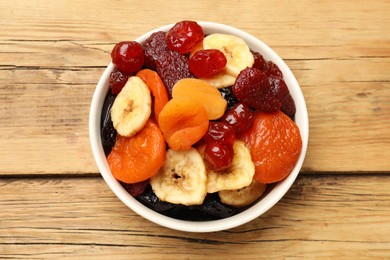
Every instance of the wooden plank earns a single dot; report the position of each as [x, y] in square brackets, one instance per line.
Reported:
[321, 217]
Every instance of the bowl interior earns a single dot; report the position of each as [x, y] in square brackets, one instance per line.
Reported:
[267, 201]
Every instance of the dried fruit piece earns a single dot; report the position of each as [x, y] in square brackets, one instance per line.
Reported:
[135, 189]
[117, 81]
[137, 158]
[184, 36]
[132, 107]
[183, 122]
[203, 93]
[172, 67]
[268, 67]
[244, 196]
[128, 56]
[275, 144]
[280, 89]
[182, 179]
[252, 87]
[237, 176]
[240, 117]
[227, 94]
[156, 87]
[153, 47]
[218, 156]
[206, 63]
[220, 132]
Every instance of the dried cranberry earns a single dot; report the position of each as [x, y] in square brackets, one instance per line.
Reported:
[221, 132]
[280, 89]
[252, 87]
[184, 36]
[153, 47]
[135, 189]
[171, 67]
[206, 63]
[218, 156]
[227, 94]
[128, 56]
[240, 117]
[117, 81]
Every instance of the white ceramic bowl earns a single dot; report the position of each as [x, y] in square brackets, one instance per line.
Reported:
[269, 200]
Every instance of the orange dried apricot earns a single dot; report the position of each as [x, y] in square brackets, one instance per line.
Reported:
[275, 144]
[137, 158]
[202, 92]
[183, 122]
[156, 86]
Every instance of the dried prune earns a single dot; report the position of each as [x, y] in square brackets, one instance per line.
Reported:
[227, 94]
[149, 199]
[108, 132]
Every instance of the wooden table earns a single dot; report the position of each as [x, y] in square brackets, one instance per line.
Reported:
[55, 204]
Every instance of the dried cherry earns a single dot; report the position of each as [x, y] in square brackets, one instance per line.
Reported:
[218, 156]
[220, 132]
[240, 117]
[184, 36]
[128, 56]
[206, 63]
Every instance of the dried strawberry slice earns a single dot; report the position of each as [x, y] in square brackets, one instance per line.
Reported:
[280, 89]
[268, 67]
[171, 67]
[252, 87]
[153, 48]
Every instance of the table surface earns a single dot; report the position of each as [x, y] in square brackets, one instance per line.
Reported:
[54, 203]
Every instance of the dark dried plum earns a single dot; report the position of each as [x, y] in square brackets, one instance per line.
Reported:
[149, 199]
[108, 132]
[228, 95]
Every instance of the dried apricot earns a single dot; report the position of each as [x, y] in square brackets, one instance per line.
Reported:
[203, 93]
[156, 86]
[137, 158]
[183, 122]
[275, 143]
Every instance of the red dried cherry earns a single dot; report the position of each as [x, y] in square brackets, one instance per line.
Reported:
[135, 189]
[184, 36]
[128, 56]
[206, 63]
[117, 81]
[240, 117]
[220, 132]
[218, 156]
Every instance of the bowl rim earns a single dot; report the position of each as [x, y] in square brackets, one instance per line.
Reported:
[257, 209]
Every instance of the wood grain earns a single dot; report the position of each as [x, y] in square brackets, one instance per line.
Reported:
[52, 55]
[320, 218]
